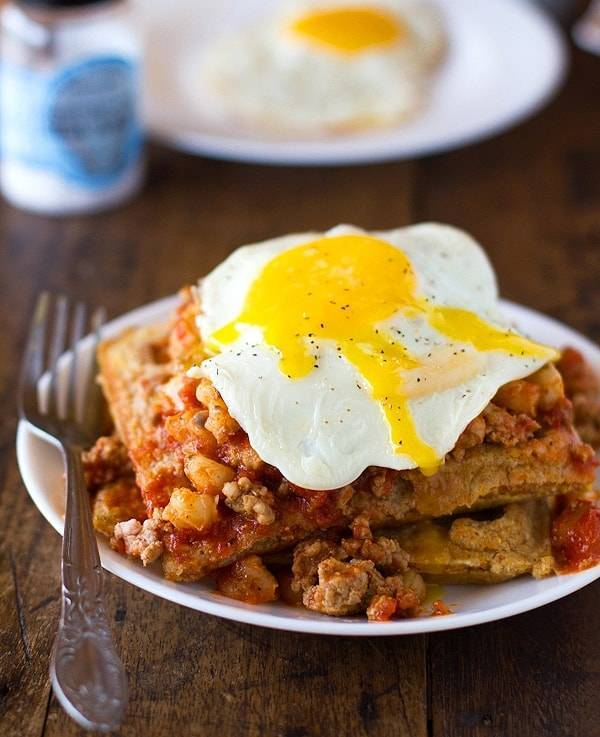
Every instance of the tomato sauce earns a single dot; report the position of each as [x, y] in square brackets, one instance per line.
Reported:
[223, 538]
[187, 394]
[319, 506]
[383, 609]
[440, 609]
[575, 535]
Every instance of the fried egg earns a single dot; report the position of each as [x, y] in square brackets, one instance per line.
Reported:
[341, 350]
[314, 66]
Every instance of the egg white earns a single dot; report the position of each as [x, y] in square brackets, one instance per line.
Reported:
[323, 430]
[264, 77]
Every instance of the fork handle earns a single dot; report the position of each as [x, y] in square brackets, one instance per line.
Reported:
[88, 677]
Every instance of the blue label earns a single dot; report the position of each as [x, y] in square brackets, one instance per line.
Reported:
[80, 124]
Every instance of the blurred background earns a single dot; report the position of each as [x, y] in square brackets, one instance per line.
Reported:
[85, 83]
[199, 126]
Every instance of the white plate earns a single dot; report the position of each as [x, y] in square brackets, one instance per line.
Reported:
[42, 472]
[506, 60]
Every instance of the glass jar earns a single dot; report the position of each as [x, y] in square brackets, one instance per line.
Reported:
[70, 134]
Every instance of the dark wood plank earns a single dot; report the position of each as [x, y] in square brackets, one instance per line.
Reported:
[221, 678]
[530, 196]
[536, 674]
[27, 625]
[28, 547]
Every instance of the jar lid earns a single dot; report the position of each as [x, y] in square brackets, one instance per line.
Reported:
[59, 4]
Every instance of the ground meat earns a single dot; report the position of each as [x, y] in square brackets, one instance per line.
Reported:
[387, 554]
[521, 397]
[412, 579]
[343, 588]
[106, 462]
[582, 386]
[409, 591]
[518, 411]
[381, 482]
[249, 499]
[505, 428]
[348, 576]
[238, 453]
[381, 608]
[502, 423]
[219, 422]
[357, 586]
[139, 540]
[472, 435]
[360, 528]
[307, 556]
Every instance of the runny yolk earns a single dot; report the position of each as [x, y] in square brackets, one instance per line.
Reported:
[339, 290]
[349, 29]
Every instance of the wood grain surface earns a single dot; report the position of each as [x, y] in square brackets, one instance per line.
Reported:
[531, 196]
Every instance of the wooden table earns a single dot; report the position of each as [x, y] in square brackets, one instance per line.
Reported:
[531, 196]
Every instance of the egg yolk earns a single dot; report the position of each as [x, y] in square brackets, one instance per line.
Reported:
[341, 289]
[349, 29]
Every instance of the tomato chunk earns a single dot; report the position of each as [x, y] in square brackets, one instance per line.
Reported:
[439, 608]
[382, 608]
[576, 535]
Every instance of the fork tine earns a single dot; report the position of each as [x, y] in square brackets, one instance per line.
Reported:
[77, 331]
[33, 359]
[93, 402]
[57, 348]
[98, 320]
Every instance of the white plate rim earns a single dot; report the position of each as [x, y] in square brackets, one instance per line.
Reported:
[381, 147]
[134, 573]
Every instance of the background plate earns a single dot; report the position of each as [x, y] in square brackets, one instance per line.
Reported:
[42, 471]
[506, 60]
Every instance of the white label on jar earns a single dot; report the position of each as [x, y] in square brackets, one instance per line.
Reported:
[80, 123]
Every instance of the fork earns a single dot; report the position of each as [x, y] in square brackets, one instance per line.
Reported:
[87, 675]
